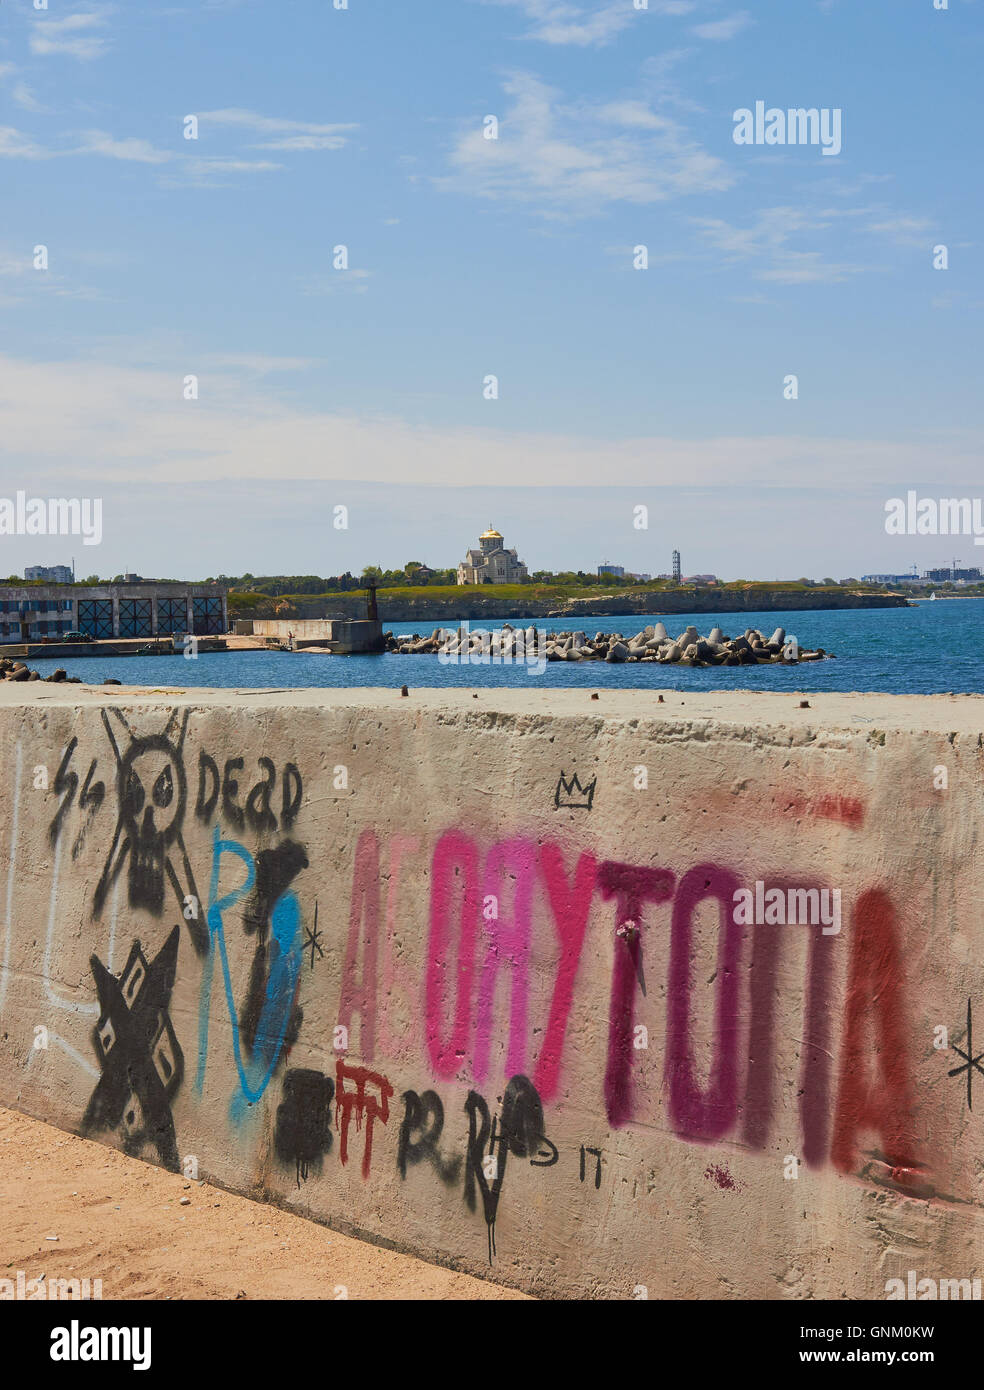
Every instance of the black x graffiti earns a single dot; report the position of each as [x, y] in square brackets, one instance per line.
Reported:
[141, 1060]
[971, 1063]
[314, 937]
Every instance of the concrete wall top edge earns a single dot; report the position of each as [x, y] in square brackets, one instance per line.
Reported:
[854, 712]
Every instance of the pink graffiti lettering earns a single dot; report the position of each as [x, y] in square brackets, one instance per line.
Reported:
[570, 907]
[507, 935]
[359, 992]
[454, 884]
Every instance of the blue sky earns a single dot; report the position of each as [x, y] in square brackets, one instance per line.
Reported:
[363, 128]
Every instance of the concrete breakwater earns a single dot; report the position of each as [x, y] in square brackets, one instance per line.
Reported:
[511, 979]
[651, 644]
[114, 647]
[18, 671]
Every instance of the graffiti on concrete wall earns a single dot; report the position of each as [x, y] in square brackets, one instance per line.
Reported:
[142, 1063]
[481, 1021]
[148, 838]
[303, 1134]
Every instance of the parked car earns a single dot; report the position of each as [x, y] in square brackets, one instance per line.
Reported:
[75, 637]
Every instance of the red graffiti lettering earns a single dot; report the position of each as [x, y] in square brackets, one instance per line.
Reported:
[630, 885]
[366, 1107]
[874, 997]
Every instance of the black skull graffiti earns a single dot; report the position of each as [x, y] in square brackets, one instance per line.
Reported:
[151, 792]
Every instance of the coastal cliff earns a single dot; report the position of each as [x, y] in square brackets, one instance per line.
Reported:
[444, 605]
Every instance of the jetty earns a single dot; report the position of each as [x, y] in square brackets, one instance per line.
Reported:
[652, 644]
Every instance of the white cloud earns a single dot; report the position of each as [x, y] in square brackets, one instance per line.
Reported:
[560, 22]
[23, 95]
[130, 148]
[722, 29]
[809, 268]
[98, 421]
[259, 363]
[183, 168]
[767, 238]
[771, 229]
[70, 36]
[13, 263]
[285, 134]
[636, 114]
[336, 282]
[903, 230]
[303, 142]
[210, 171]
[83, 49]
[576, 158]
[14, 145]
[18, 266]
[569, 24]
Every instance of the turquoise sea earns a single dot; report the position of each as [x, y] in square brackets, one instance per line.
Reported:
[931, 647]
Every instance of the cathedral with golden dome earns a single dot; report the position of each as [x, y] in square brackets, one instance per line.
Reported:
[492, 563]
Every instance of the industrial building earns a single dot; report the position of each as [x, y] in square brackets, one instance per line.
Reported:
[147, 609]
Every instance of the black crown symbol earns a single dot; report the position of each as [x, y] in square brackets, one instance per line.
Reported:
[567, 791]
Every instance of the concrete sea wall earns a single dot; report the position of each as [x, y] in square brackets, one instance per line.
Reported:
[307, 628]
[511, 981]
[341, 635]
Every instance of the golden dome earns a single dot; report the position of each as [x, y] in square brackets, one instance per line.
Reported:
[491, 534]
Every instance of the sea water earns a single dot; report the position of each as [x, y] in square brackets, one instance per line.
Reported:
[928, 648]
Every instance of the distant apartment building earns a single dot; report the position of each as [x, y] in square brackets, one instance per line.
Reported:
[491, 563]
[50, 574]
[112, 610]
[948, 574]
[885, 578]
[620, 572]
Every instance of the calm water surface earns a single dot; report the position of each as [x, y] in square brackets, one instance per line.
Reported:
[933, 647]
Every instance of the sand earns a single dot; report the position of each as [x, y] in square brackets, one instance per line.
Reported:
[122, 1221]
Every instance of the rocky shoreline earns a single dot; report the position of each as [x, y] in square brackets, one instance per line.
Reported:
[652, 644]
[17, 671]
